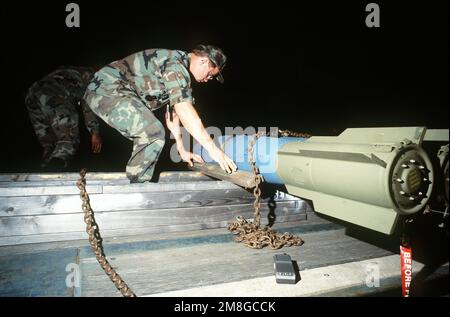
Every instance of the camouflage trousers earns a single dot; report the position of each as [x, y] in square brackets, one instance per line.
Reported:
[55, 122]
[129, 115]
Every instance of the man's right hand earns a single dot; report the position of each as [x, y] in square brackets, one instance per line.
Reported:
[224, 161]
[191, 121]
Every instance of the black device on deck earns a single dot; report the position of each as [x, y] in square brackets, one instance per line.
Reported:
[285, 272]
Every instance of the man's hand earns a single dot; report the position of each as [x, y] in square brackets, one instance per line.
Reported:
[174, 124]
[96, 143]
[224, 161]
[188, 116]
[188, 157]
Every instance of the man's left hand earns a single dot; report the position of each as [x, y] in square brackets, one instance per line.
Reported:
[188, 157]
[96, 143]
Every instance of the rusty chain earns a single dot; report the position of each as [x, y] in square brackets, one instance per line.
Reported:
[95, 240]
[250, 233]
[286, 133]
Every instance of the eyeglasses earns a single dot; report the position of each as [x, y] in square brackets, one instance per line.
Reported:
[210, 74]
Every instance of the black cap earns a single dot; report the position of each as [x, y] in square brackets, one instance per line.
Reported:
[216, 56]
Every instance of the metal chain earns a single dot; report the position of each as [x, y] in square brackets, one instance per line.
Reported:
[286, 133]
[250, 233]
[95, 240]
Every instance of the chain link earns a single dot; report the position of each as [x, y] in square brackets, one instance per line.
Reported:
[95, 240]
[250, 233]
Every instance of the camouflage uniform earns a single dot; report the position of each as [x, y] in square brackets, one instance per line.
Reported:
[51, 104]
[125, 92]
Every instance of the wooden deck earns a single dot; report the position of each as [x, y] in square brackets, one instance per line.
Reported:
[168, 239]
[158, 263]
[47, 207]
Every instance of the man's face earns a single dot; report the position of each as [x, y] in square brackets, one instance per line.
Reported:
[204, 70]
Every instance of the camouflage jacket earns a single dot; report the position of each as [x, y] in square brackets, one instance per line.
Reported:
[69, 84]
[159, 77]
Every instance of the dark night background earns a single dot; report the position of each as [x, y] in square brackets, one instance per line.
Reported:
[306, 67]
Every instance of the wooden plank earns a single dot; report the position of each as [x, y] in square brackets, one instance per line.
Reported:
[118, 238]
[165, 187]
[36, 274]
[24, 225]
[183, 176]
[340, 280]
[41, 205]
[127, 188]
[134, 219]
[49, 264]
[32, 177]
[47, 190]
[128, 232]
[62, 183]
[214, 263]
[168, 176]
[241, 178]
